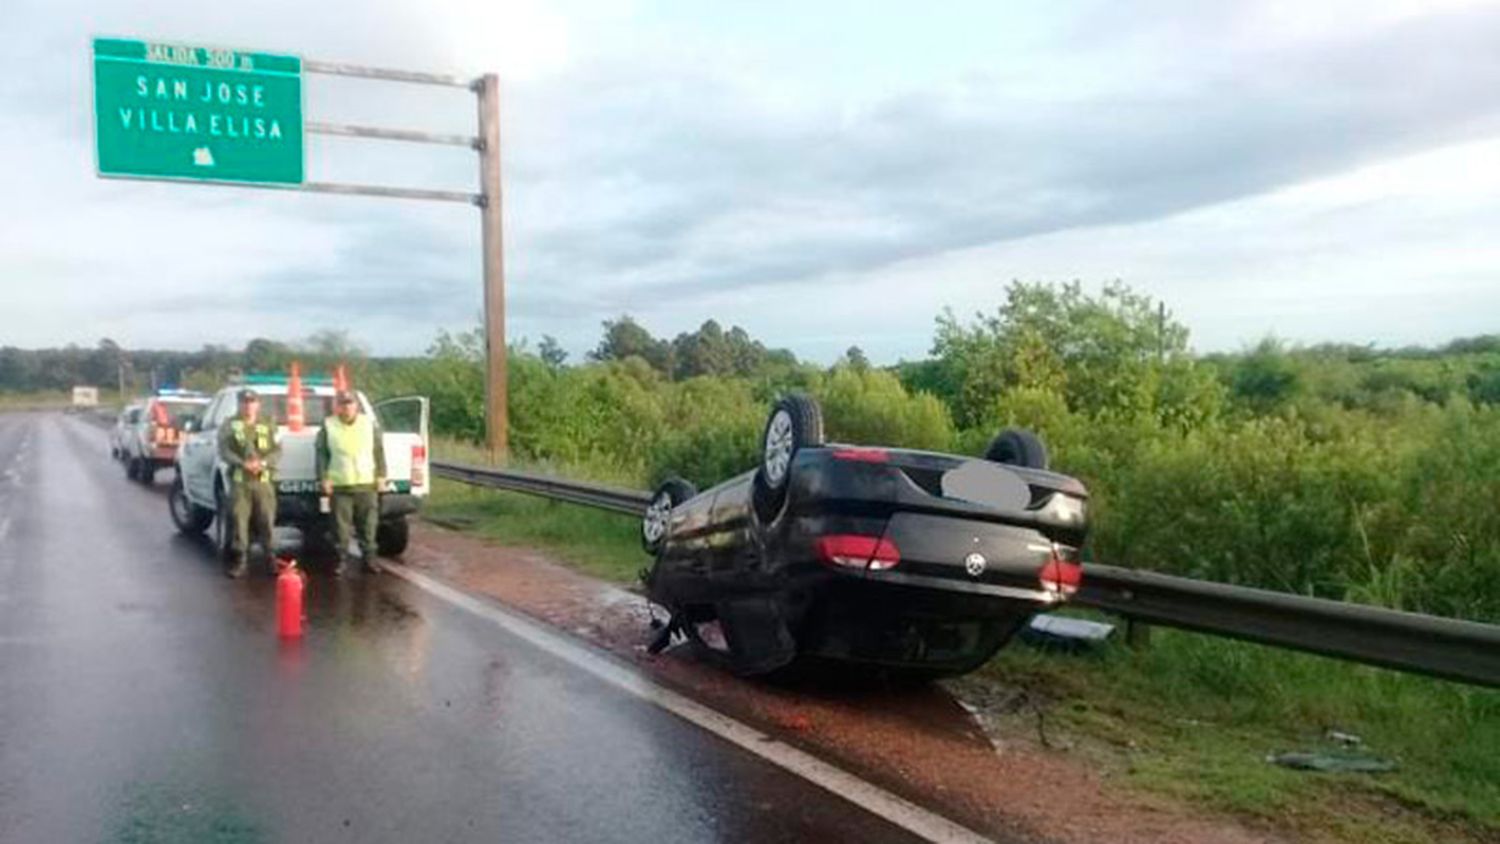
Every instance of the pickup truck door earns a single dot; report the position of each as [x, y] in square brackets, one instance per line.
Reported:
[407, 415]
[197, 456]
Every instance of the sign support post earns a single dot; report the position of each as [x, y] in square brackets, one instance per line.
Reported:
[497, 425]
[223, 117]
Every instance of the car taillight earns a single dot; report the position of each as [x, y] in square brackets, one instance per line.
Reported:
[852, 551]
[419, 465]
[862, 455]
[1060, 576]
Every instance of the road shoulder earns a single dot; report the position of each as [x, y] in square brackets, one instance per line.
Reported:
[923, 744]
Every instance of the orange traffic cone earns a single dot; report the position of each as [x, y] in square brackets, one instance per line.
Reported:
[296, 417]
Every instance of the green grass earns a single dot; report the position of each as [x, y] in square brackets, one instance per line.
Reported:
[605, 545]
[1195, 717]
[1191, 717]
[602, 544]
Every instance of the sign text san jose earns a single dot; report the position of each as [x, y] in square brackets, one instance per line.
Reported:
[197, 113]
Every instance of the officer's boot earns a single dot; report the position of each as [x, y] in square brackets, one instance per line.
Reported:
[238, 568]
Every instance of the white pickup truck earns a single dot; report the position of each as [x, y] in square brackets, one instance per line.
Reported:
[199, 491]
[151, 434]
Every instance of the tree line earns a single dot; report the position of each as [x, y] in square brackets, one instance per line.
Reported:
[1337, 470]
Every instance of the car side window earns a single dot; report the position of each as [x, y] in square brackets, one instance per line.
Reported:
[211, 420]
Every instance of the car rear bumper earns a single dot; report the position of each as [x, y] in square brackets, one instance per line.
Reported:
[300, 508]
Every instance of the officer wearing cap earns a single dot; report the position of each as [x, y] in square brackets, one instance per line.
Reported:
[351, 468]
[248, 446]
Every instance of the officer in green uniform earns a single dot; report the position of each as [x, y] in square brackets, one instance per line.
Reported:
[247, 444]
[351, 467]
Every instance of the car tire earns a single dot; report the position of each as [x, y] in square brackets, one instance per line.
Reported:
[190, 519]
[391, 537]
[317, 540]
[672, 492]
[795, 423]
[1018, 447]
[223, 539]
[129, 469]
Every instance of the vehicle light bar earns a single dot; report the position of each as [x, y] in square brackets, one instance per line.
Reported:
[862, 455]
[847, 550]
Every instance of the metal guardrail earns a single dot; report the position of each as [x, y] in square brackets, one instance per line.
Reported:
[1466, 651]
[629, 502]
[1424, 644]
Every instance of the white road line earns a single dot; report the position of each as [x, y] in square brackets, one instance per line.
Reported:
[868, 796]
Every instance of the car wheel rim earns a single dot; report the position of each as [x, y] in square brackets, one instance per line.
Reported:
[779, 443]
[655, 526]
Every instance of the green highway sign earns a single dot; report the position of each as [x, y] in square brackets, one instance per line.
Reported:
[173, 111]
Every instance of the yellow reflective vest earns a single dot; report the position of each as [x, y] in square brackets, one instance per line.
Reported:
[239, 442]
[351, 451]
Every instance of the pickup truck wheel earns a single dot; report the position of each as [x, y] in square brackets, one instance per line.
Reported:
[673, 491]
[795, 423]
[223, 538]
[190, 519]
[1017, 447]
[391, 537]
[129, 468]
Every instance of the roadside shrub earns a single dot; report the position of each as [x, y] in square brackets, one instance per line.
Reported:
[871, 406]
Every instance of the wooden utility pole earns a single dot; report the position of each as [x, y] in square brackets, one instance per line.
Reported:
[497, 424]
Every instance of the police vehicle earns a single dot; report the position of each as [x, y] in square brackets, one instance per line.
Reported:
[151, 432]
[199, 497]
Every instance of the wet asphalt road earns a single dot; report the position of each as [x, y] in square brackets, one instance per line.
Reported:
[144, 697]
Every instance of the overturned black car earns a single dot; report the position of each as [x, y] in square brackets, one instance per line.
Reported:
[917, 563]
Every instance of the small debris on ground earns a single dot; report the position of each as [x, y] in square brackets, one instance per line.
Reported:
[1344, 739]
[1338, 763]
[1059, 631]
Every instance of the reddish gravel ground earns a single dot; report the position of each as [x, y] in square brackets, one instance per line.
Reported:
[923, 744]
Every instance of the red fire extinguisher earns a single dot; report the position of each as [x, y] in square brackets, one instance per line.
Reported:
[289, 600]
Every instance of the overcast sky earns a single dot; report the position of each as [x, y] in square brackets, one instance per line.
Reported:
[823, 174]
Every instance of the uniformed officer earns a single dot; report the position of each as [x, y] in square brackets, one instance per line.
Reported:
[351, 467]
[247, 444]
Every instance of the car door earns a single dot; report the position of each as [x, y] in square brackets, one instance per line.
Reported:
[407, 418]
[198, 453]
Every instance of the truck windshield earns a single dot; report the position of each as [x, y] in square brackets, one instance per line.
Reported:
[314, 408]
[176, 410]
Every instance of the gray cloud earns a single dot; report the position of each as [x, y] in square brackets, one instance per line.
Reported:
[921, 174]
[655, 177]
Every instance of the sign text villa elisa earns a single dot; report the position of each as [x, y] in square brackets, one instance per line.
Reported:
[182, 112]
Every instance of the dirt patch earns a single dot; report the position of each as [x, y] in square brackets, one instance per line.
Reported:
[958, 748]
